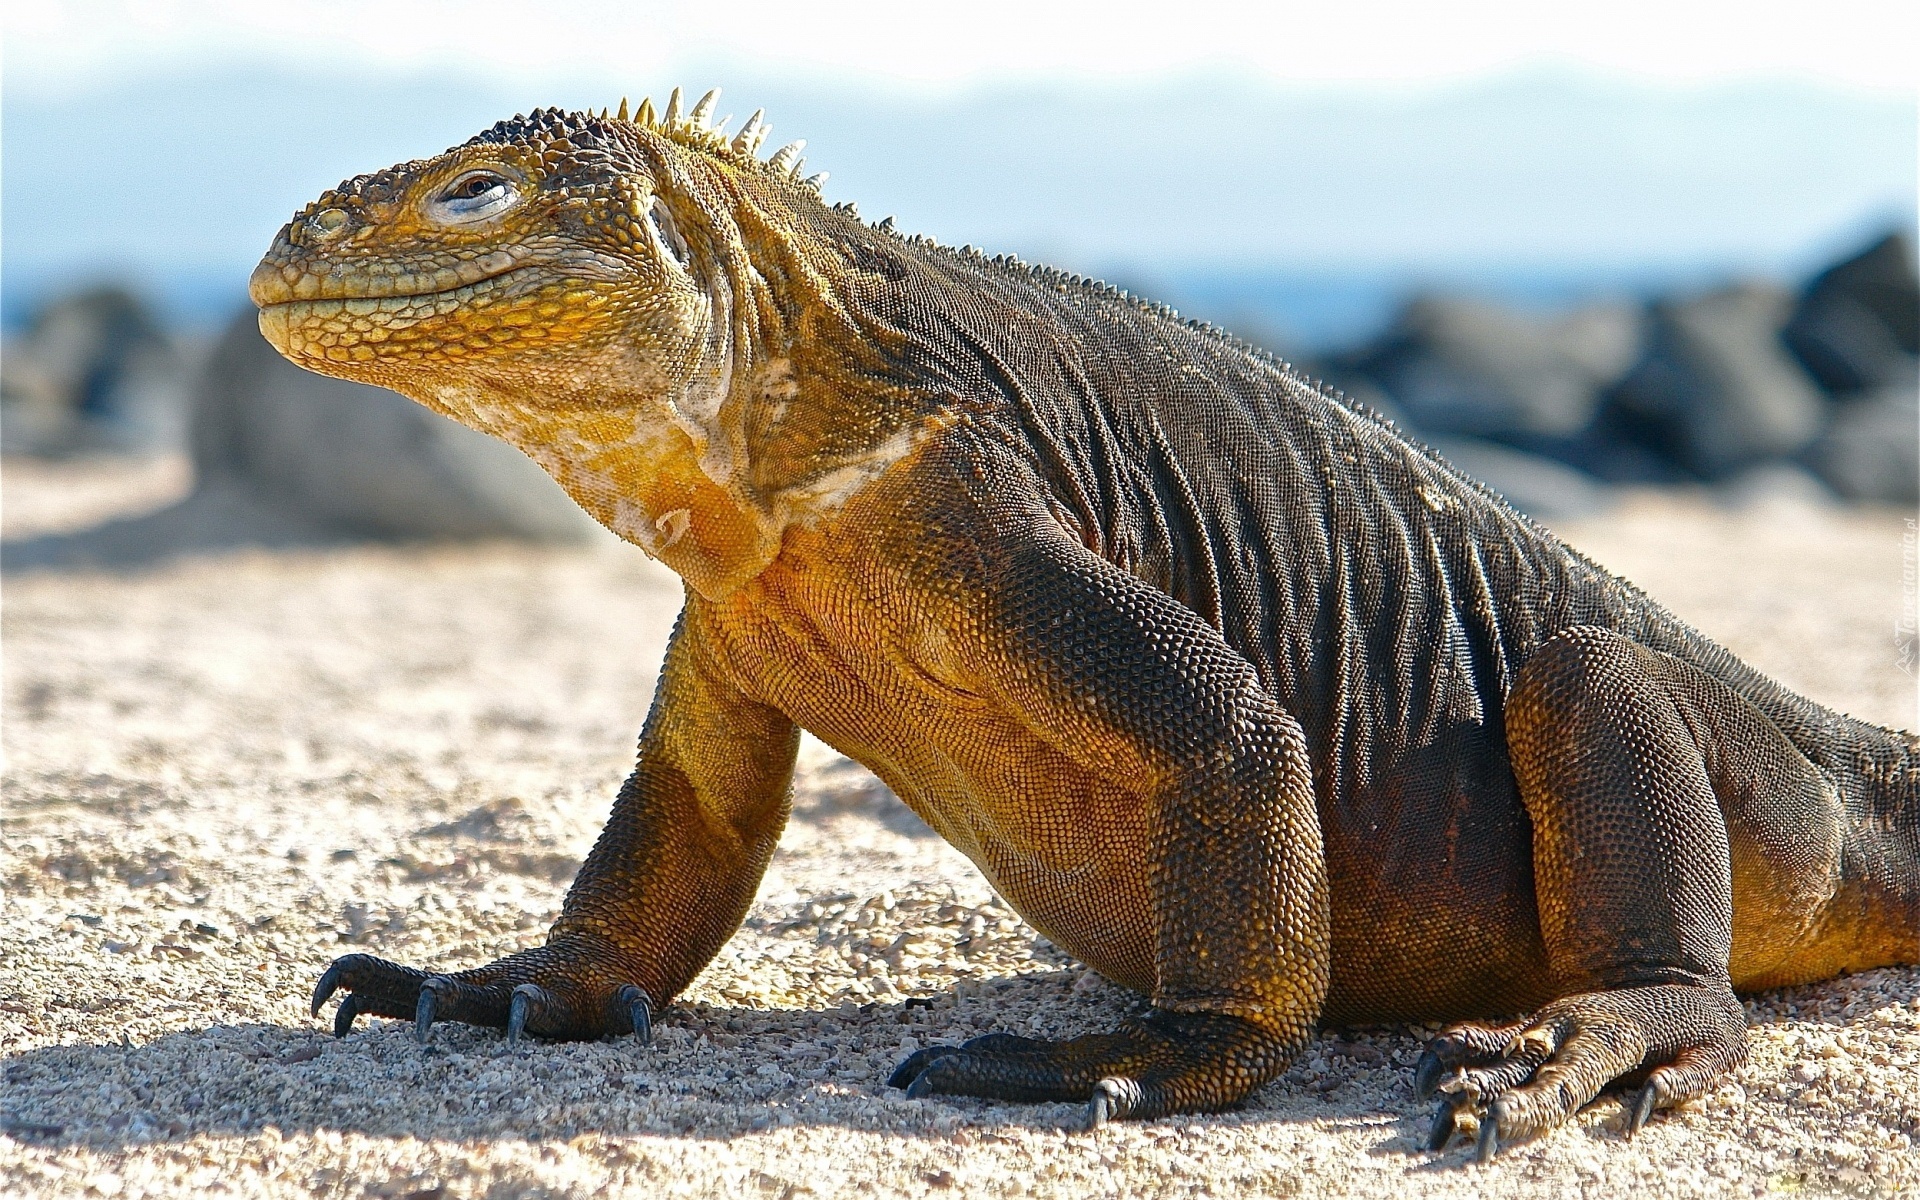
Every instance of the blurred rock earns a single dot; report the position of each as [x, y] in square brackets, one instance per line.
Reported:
[363, 460]
[1717, 390]
[92, 372]
[285, 458]
[1857, 327]
[1870, 450]
[1774, 485]
[1461, 366]
[1540, 487]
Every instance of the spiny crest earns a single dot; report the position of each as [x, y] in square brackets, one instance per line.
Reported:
[696, 129]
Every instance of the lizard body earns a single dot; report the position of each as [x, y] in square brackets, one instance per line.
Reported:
[1238, 695]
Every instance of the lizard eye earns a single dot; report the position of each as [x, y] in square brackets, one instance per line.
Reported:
[476, 196]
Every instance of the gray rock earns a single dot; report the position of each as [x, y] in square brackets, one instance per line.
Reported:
[1871, 449]
[93, 371]
[1717, 390]
[1774, 484]
[363, 460]
[1857, 327]
[1540, 487]
[1461, 366]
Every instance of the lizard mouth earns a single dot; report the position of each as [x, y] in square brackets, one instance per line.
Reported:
[273, 285]
[353, 327]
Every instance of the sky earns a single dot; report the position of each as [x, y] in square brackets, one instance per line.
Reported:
[1858, 43]
[166, 140]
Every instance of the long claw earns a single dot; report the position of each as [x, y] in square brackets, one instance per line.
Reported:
[639, 1012]
[343, 1017]
[1099, 1108]
[1113, 1098]
[1489, 1143]
[517, 1011]
[423, 1010]
[1445, 1118]
[1643, 1105]
[1426, 1075]
[328, 985]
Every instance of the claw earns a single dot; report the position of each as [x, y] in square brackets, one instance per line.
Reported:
[343, 1018]
[1113, 1098]
[639, 1007]
[1445, 1119]
[328, 985]
[1489, 1143]
[423, 1010]
[518, 1010]
[1426, 1075]
[1643, 1105]
[1099, 1108]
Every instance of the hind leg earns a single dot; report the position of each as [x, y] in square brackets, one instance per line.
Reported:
[1634, 766]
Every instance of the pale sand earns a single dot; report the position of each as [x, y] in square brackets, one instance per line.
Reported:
[224, 772]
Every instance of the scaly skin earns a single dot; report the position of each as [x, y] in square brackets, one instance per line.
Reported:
[1240, 697]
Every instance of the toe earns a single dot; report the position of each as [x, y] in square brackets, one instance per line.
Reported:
[914, 1064]
[379, 987]
[1446, 1116]
[1460, 1046]
[633, 999]
[530, 1003]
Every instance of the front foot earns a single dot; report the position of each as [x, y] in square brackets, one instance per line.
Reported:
[571, 990]
[1528, 1077]
[1165, 1063]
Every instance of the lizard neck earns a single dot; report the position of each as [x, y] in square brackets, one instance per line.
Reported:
[706, 468]
[657, 458]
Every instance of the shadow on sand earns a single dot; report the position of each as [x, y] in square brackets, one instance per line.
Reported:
[713, 1073]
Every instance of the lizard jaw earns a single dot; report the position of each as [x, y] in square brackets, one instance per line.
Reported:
[277, 282]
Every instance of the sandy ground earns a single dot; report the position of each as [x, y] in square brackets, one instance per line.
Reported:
[223, 772]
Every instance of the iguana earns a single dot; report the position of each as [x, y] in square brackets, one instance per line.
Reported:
[1237, 694]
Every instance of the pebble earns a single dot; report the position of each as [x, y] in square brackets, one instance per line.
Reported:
[180, 690]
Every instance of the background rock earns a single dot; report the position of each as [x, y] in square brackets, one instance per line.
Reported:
[93, 371]
[1870, 450]
[1857, 328]
[1717, 390]
[1749, 387]
[1463, 366]
[362, 459]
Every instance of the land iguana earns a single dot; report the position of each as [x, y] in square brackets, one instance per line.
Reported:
[1237, 694]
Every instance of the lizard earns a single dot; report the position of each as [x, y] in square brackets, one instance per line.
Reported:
[1234, 691]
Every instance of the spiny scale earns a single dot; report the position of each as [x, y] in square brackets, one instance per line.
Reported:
[703, 111]
[697, 130]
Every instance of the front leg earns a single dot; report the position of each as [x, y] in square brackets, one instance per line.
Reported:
[666, 885]
[1130, 683]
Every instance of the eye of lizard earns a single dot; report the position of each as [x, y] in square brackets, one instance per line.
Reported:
[476, 196]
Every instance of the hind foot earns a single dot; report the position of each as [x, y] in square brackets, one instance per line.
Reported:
[1525, 1078]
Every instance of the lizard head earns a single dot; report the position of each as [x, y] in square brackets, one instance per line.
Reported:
[510, 259]
[596, 290]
